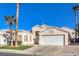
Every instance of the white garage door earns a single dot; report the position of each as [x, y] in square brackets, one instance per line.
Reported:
[51, 40]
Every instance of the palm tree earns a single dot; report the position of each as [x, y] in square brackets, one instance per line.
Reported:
[75, 8]
[16, 32]
[10, 20]
[77, 30]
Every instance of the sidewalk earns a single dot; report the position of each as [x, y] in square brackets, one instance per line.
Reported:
[12, 51]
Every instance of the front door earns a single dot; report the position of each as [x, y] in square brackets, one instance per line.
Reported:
[37, 37]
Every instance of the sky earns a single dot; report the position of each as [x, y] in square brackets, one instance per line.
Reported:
[31, 14]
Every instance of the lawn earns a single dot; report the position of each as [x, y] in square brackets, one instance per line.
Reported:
[16, 48]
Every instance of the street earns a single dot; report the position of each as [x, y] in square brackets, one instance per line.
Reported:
[12, 54]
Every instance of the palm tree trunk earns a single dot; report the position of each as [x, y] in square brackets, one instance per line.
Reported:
[11, 41]
[16, 32]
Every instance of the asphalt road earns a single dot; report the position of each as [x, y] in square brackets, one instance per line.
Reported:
[12, 54]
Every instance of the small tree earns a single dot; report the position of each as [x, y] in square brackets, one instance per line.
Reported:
[7, 36]
[10, 20]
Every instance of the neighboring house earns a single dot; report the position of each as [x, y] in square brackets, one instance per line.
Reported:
[71, 31]
[3, 40]
[49, 35]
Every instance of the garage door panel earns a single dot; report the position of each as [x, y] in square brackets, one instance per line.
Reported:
[52, 40]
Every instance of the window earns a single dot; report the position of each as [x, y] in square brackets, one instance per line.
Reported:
[30, 38]
[19, 37]
[73, 33]
[5, 40]
[25, 38]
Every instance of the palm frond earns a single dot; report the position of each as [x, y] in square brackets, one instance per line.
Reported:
[6, 19]
[76, 8]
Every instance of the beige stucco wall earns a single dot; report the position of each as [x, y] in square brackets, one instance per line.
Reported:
[29, 38]
[34, 29]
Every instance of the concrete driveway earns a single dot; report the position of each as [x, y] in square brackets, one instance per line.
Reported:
[47, 50]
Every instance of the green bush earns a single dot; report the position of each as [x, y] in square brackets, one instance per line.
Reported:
[19, 42]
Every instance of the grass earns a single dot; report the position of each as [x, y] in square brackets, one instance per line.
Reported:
[16, 48]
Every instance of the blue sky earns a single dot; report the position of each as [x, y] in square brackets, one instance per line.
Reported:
[37, 13]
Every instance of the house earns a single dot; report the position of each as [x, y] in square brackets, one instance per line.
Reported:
[50, 35]
[24, 37]
[40, 34]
